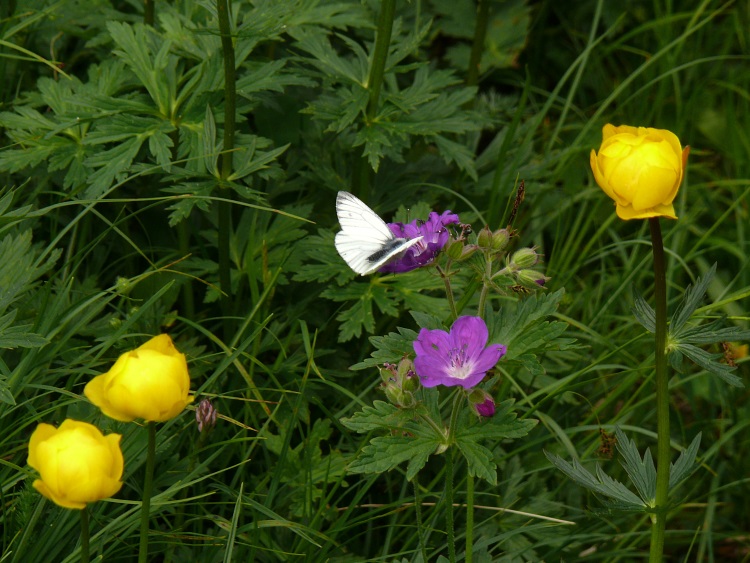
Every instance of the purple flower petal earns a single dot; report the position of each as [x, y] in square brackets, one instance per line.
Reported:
[434, 237]
[460, 357]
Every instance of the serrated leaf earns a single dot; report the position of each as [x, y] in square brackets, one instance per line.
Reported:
[707, 361]
[389, 348]
[479, 460]
[387, 452]
[643, 312]
[19, 268]
[710, 334]
[502, 425]
[601, 484]
[524, 330]
[20, 337]
[685, 464]
[380, 416]
[690, 302]
[642, 473]
[5, 395]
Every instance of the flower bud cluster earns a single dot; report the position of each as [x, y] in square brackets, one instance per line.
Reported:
[457, 248]
[400, 383]
[495, 241]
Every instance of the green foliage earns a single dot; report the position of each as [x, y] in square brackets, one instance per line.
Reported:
[641, 471]
[118, 221]
[413, 435]
[683, 338]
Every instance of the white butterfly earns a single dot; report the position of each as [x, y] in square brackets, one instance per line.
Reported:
[365, 242]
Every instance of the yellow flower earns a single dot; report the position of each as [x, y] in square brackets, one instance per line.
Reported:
[76, 463]
[641, 169]
[150, 382]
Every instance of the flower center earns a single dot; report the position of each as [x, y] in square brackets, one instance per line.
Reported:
[460, 363]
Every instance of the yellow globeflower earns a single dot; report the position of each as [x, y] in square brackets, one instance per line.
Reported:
[150, 382]
[641, 169]
[76, 463]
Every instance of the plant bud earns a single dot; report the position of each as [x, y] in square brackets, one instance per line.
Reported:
[525, 258]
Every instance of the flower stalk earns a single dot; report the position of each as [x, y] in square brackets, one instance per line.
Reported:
[148, 483]
[85, 535]
[477, 46]
[663, 452]
[230, 97]
[375, 80]
[469, 518]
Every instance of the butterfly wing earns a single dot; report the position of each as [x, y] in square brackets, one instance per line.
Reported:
[365, 242]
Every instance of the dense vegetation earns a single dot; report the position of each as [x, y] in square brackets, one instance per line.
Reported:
[147, 186]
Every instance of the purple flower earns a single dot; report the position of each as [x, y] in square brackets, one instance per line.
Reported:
[460, 357]
[434, 236]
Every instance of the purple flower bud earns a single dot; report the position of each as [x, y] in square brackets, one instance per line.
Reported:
[486, 409]
[205, 415]
[482, 403]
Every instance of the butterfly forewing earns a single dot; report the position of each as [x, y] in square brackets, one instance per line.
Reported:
[365, 242]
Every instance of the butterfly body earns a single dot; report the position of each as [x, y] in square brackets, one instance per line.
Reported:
[365, 242]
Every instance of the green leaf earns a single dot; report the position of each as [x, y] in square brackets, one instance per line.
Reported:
[387, 452]
[707, 361]
[525, 332]
[685, 464]
[385, 417]
[6, 396]
[501, 426]
[18, 336]
[690, 302]
[643, 312]
[390, 348]
[601, 483]
[20, 267]
[710, 334]
[479, 460]
[642, 472]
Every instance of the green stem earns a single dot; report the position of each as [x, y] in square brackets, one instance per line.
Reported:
[469, 517]
[148, 12]
[458, 398]
[418, 510]
[375, 80]
[148, 482]
[448, 288]
[230, 98]
[485, 286]
[85, 535]
[380, 56]
[477, 47]
[663, 452]
[449, 505]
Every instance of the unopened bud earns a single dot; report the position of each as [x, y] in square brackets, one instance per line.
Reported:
[484, 238]
[500, 239]
[532, 278]
[454, 249]
[525, 258]
[205, 415]
[482, 403]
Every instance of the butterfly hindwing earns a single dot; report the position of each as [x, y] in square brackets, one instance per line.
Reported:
[365, 242]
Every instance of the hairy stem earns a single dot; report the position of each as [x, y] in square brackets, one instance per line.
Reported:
[469, 517]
